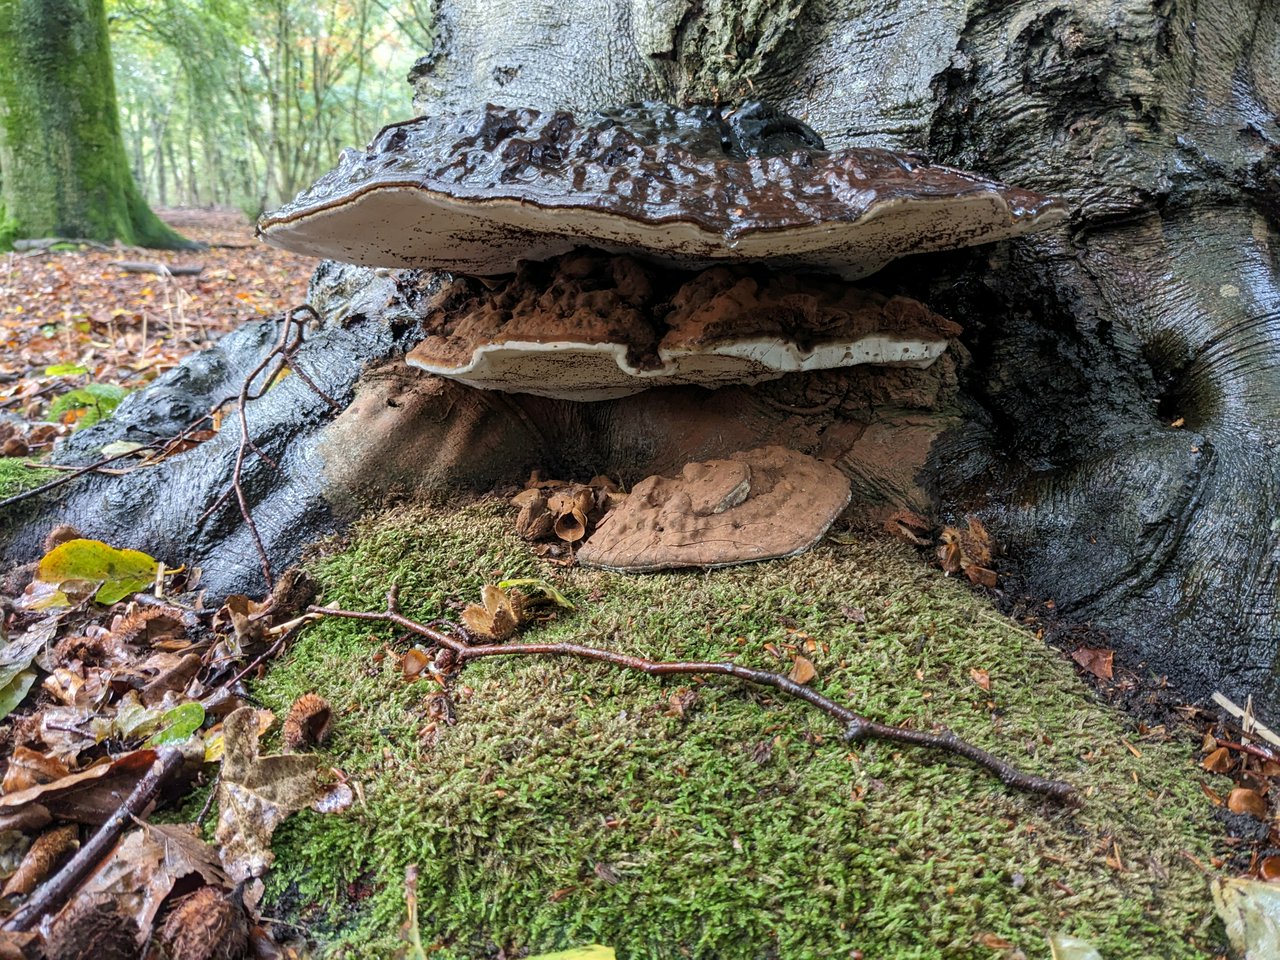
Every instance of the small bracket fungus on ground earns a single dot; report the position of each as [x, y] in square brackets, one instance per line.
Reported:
[756, 505]
[614, 249]
[478, 192]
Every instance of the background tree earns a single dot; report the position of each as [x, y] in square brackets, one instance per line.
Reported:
[62, 158]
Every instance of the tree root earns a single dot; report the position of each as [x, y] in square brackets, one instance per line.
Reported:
[856, 727]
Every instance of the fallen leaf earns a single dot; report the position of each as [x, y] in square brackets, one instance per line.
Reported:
[256, 794]
[1251, 913]
[1217, 762]
[1244, 800]
[1269, 868]
[981, 677]
[1095, 660]
[28, 768]
[48, 851]
[148, 863]
[1064, 947]
[90, 796]
[118, 572]
[802, 671]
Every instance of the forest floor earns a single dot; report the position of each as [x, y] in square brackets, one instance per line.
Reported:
[76, 313]
[565, 804]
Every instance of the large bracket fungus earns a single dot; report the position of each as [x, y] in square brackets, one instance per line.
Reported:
[656, 191]
[477, 192]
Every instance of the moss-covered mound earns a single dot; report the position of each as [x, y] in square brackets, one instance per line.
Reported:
[16, 477]
[572, 803]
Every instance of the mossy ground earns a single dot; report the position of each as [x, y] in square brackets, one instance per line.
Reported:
[15, 476]
[568, 805]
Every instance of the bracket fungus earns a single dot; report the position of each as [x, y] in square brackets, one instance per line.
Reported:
[477, 192]
[756, 505]
[594, 327]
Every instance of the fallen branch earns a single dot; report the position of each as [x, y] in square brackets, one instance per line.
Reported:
[50, 897]
[160, 269]
[45, 243]
[857, 728]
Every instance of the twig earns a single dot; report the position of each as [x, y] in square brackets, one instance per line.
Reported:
[160, 269]
[1262, 753]
[59, 887]
[857, 728]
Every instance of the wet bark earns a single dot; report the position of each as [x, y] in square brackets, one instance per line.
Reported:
[63, 167]
[1121, 400]
[1126, 374]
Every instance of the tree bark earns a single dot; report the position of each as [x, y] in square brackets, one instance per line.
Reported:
[1125, 385]
[63, 165]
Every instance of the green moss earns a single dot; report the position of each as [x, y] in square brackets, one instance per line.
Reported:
[560, 778]
[16, 477]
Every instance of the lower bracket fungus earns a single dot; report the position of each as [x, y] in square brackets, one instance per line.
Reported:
[593, 327]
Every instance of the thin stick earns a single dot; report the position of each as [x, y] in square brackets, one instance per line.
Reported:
[857, 728]
[59, 887]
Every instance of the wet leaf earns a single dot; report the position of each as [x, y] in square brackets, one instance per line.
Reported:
[178, 724]
[1095, 660]
[119, 572]
[28, 768]
[90, 796]
[15, 691]
[256, 794]
[146, 865]
[49, 850]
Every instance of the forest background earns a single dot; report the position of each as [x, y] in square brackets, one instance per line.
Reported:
[242, 103]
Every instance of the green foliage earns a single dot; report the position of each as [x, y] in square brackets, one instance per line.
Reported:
[573, 803]
[97, 400]
[8, 230]
[244, 102]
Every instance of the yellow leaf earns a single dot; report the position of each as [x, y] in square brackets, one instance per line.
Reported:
[119, 572]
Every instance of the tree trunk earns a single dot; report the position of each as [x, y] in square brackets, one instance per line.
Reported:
[1121, 400]
[62, 156]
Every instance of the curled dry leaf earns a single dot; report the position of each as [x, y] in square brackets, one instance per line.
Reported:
[1244, 800]
[909, 526]
[1269, 868]
[414, 662]
[308, 722]
[1219, 761]
[981, 677]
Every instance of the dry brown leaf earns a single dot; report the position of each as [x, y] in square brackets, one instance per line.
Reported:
[909, 526]
[981, 677]
[1269, 869]
[48, 851]
[500, 616]
[1218, 762]
[27, 768]
[1244, 800]
[256, 794]
[414, 662]
[981, 576]
[802, 670]
[1095, 660]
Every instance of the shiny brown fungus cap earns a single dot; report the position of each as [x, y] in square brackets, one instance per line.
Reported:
[478, 192]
